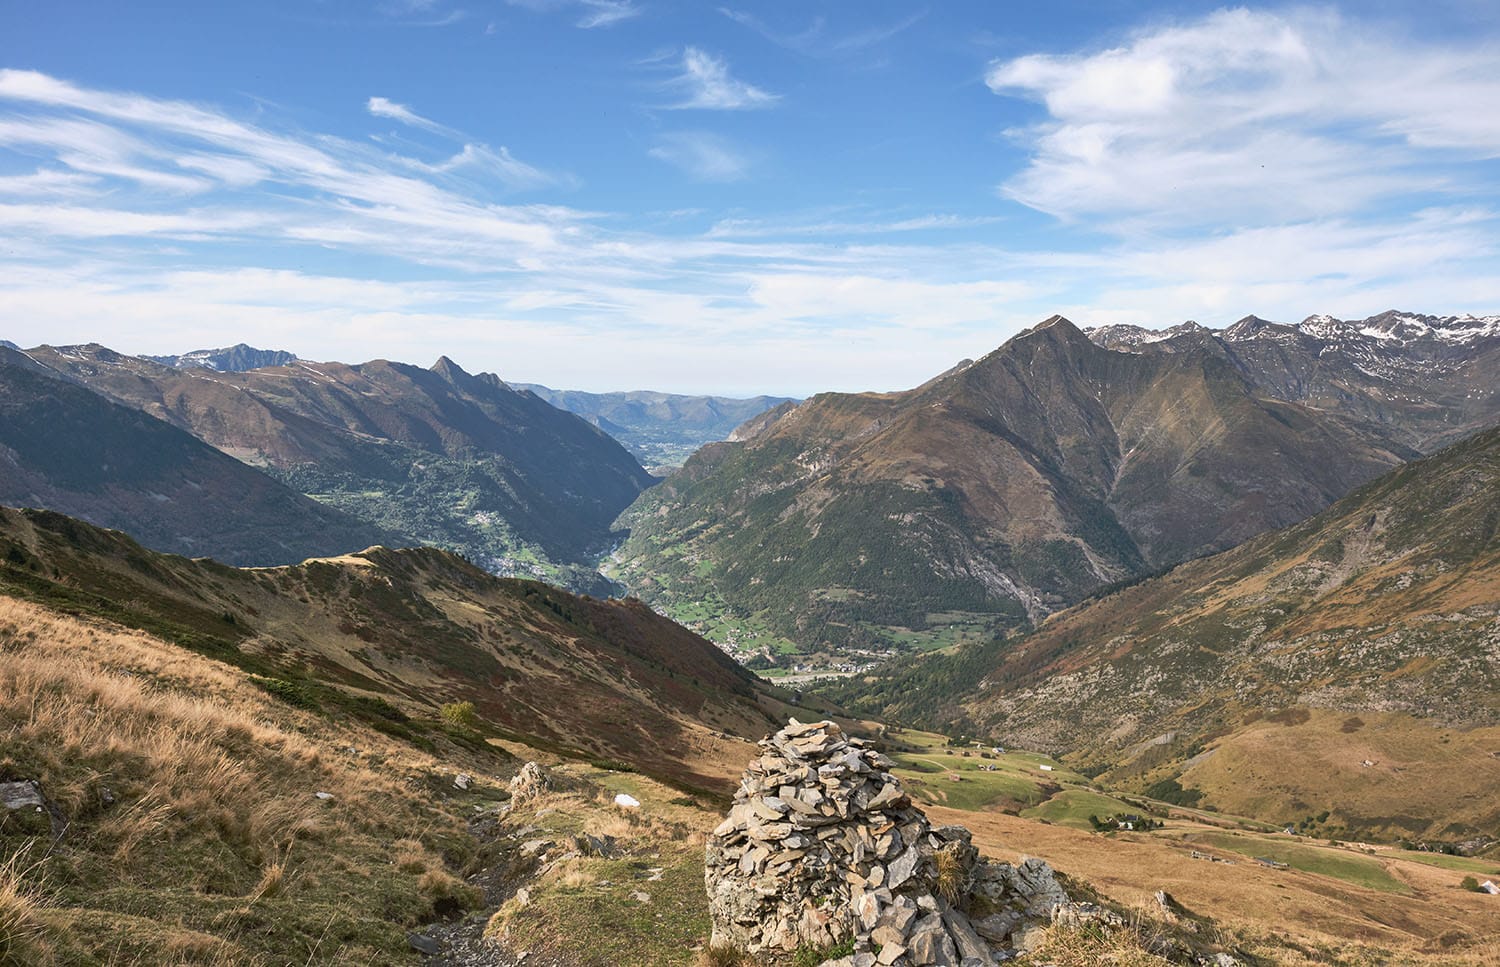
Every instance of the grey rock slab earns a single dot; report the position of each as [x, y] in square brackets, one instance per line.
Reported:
[423, 944]
[970, 946]
[902, 867]
[930, 943]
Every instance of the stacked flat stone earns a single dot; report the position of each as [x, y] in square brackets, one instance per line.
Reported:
[822, 844]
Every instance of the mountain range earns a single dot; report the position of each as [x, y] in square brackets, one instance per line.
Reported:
[1427, 379]
[67, 449]
[435, 456]
[1016, 485]
[232, 359]
[1230, 597]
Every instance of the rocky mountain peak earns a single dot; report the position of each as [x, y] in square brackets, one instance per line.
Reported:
[448, 369]
[1253, 327]
[1057, 327]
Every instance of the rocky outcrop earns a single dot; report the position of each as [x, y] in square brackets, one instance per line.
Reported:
[530, 782]
[823, 845]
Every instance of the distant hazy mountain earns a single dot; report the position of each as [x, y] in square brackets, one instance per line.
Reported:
[661, 429]
[437, 455]
[1347, 659]
[67, 449]
[234, 359]
[7, 344]
[1008, 488]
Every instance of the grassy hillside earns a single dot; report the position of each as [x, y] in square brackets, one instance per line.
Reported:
[193, 830]
[1346, 663]
[386, 635]
[195, 835]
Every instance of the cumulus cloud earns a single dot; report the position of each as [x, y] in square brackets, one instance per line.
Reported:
[1247, 114]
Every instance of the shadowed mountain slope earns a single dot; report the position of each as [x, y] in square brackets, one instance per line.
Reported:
[437, 455]
[67, 449]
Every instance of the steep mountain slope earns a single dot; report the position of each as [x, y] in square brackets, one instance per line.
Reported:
[999, 491]
[410, 630]
[439, 456]
[232, 359]
[1428, 379]
[67, 449]
[661, 429]
[1351, 660]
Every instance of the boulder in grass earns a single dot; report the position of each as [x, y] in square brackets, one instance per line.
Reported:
[28, 811]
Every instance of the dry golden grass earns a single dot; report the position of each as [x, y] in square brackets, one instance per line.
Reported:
[1419, 770]
[1286, 916]
[949, 880]
[190, 790]
[722, 956]
[410, 856]
[1089, 946]
[22, 931]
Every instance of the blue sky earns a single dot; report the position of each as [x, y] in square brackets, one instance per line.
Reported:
[616, 194]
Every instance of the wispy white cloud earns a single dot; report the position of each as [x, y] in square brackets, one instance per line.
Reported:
[483, 159]
[704, 156]
[604, 13]
[706, 84]
[590, 13]
[422, 13]
[818, 39]
[1249, 115]
[478, 158]
[878, 34]
[47, 182]
[384, 108]
[913, 303]
[833, 227]
[801, 41]
[91, 148]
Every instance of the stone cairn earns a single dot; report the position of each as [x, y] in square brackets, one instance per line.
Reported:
[530, 782]
[823, 845]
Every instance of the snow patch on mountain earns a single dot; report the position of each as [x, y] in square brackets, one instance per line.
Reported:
[1387, 331]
